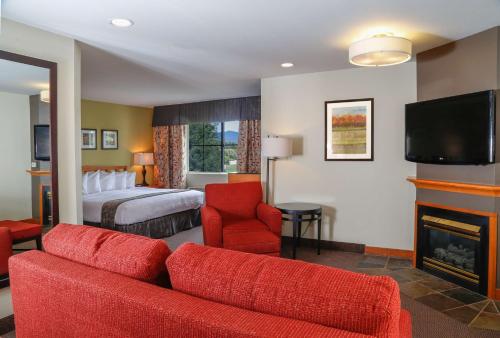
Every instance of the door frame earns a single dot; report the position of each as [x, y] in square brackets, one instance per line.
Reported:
[52, 67]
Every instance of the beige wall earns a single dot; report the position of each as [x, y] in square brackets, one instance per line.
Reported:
[363, 202]
[22, 39]
[15, 183]
[135, 133]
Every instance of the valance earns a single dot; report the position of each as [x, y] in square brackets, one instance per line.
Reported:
[237, 109]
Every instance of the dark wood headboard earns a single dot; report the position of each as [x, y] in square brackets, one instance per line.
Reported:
[87, 168]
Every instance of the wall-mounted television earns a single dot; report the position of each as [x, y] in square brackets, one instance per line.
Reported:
[452, 130]
[42, 142]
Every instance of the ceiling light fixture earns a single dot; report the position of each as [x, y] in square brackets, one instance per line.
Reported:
[121, 22]
[380, 50]
[287, 65]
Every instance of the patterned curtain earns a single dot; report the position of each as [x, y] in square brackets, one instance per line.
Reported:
[249, 147]
[169, 147]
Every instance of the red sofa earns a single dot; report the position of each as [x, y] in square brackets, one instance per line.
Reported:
[98, 283]
[235, 218]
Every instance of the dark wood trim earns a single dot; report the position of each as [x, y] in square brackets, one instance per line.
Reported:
[329, 245]
[400, 253]
[372, 129]
[52, 67]
[7, 324]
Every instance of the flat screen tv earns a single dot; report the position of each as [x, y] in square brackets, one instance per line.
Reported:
[42, 142]
[452, 130]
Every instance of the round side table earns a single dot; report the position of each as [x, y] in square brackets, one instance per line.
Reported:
[297, 213]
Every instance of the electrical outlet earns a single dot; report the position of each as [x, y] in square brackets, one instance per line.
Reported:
[33, 165]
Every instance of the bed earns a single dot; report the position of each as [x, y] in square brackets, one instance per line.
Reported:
[151, 212]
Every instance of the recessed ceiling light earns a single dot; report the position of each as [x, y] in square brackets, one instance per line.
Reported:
[287, 65]
[121, 22]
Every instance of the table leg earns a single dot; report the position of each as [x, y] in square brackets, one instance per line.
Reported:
[296, 223]
[319, 233]
[300, 231]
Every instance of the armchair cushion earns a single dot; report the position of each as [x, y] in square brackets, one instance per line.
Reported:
[250, 236]
[270, 216]
[235, 200]
[212, 226]
[22, 230]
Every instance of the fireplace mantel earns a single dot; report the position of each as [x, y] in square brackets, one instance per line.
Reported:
[457, 187]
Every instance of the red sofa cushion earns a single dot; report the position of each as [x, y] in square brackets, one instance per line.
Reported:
[5, 250]
[22, 230]
[54, 297]
[294, 289]
[127, 254]
[234, 201]
[250, 236]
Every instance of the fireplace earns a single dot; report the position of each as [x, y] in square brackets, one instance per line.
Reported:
[453, 245]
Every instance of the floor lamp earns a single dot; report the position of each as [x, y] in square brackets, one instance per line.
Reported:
[273, 148]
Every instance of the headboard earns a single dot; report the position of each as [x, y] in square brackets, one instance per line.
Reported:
[87, 168]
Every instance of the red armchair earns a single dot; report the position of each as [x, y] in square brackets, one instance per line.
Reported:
[235, 218]
[5, 253]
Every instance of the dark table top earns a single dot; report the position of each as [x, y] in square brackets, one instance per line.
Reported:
[298, 207]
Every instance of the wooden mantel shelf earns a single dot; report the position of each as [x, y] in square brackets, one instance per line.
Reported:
[457, 187]
[38, 172]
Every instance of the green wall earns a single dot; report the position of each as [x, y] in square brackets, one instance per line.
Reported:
[135, 133]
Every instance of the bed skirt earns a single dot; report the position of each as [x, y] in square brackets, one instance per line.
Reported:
[160, 227]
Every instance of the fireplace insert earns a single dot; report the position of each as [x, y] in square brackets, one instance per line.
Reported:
[454, 246]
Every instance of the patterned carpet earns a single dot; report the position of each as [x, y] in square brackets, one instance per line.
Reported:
[438, 308]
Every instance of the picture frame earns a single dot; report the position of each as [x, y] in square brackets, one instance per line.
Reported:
[109, 139]
[89, 139]
[349, 130]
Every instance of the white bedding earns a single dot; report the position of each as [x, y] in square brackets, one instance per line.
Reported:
[142, 209]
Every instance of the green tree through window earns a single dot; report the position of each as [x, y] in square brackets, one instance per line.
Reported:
[212, 146]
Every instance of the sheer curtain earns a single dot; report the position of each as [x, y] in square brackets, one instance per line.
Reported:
[249, 147]
[169, 147]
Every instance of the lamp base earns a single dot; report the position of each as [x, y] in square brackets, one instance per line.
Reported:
[144, 183]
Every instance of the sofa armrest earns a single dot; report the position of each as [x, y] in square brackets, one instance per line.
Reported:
[5, 250]
[212, 226]
[270, 216]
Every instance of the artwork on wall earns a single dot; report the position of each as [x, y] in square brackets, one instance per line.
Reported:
[349, 130]
[109, 139]
[89, 139]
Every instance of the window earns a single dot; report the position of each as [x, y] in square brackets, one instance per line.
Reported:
[212, 146]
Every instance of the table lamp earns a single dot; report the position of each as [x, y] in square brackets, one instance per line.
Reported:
[144, 159]
[274, 147]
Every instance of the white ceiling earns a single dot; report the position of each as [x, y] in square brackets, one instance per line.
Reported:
[19, 78]
[191, 50]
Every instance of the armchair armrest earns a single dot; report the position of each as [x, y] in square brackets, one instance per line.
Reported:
[5, 250]
[270, 216]
[212, 226]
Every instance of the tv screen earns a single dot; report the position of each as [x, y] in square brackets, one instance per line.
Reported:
[42, 142]
[452, 130]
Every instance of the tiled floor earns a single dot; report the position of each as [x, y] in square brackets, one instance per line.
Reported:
[470, 308]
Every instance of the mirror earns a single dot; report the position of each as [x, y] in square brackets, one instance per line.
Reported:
[28, 140]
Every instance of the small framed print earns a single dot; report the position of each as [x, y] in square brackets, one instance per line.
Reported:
[349, 130]
[109, 139]
[89, 139]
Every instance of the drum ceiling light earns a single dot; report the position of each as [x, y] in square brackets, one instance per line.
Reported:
[380, 50]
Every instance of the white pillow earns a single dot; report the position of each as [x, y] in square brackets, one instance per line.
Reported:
[130, 180]
[121, 180]
[84, 183]
[93, 182]
[107, 181]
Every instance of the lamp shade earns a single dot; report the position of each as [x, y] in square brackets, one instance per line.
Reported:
[380, 50]
[143, 159]
[275, 147]
[45, 96]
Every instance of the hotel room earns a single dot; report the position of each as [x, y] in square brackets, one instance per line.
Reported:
[249, 169]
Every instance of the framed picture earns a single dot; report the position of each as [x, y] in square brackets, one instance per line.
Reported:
[349, 130]
[89, 139]
[109, 139]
